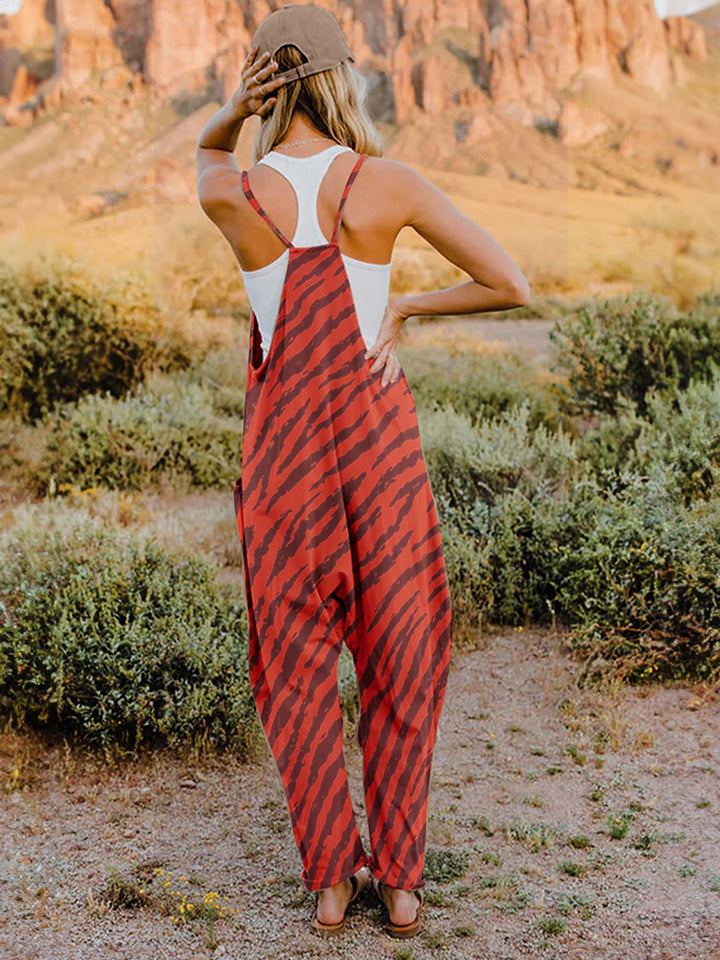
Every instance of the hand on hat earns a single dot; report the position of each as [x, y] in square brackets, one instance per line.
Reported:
[252, 94]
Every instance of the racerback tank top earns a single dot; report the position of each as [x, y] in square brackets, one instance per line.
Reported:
[369, 282]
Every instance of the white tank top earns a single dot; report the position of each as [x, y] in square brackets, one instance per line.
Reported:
[369, 282]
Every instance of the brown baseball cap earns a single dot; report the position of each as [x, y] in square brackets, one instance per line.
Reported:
[312, 29]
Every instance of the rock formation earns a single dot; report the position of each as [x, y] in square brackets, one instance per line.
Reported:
[420, 56]
[86, 42]
[28, 30]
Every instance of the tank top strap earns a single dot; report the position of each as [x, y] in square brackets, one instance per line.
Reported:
[350, 180]
[256, 204]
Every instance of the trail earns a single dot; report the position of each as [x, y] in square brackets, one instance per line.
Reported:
[525, 760]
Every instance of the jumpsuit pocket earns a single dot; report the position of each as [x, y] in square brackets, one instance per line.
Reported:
[237, 498]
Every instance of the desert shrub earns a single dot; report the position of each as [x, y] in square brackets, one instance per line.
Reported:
[519, 542]
[63, 336]
[620, 349]
[498, 487]
[684, 433]
[478, 385]
[468, 578]
[706, 306]
[629, 573]
[608, 446]
[503, 561]
[627, 561]
[153, 436]
[221, 371]
[121, 643]
[641, 588]
[23, 455]
[444, 865]
[681, 430]
[468, 463]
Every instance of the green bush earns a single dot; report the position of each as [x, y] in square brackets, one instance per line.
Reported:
[63, 336]
[478, 385]
[444, 865]
[499, 487]
[467, 463]
[222, 372]
[620, 349]
[681, 431]
[706, 307]
[642, 586]
[684, 434]
[501, 561]
[531, 535]
[121, 643]
[468, 578]
[632, 575]
[150, 437]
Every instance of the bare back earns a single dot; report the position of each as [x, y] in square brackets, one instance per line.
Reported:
[372, 218]
[387, 196]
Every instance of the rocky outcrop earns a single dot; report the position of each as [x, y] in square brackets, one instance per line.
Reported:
[86, 42]
[23, 38]
[427, 57]
[179, 56]
[532, 49]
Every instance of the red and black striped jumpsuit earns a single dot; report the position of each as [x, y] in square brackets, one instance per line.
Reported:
[341, 543]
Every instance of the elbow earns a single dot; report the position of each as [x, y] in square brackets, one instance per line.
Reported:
[205, 198]
[206, 195]
[201, 197]
[518, 292]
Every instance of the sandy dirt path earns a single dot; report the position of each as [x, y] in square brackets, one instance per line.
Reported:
[526, 766]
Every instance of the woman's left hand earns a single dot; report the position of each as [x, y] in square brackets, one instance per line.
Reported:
[385, 346]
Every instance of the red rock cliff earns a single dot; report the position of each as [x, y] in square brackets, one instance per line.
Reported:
[417, 55]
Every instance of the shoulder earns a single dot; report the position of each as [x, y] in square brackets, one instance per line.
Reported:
[221, 188]
[219, 183]
[396, 178]
[393, 172]
[400, 186]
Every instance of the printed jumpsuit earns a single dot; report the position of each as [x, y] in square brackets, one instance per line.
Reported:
[340, 544]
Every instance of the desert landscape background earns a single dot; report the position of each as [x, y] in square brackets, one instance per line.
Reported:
[572, 444]
[584, 136]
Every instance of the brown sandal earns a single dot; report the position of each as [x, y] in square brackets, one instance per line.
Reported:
[400, 930]
[333, 928]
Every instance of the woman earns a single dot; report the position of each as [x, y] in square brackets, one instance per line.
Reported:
[339, 530]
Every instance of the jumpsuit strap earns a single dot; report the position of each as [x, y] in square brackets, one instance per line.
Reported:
[350, 180]
[256, 204]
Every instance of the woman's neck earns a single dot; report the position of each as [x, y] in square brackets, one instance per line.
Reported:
[302, 129]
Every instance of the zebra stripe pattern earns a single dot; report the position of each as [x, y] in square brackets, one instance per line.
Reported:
[341, 544]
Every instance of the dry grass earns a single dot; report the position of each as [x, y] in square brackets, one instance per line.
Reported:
[202, 521]
[568, 241]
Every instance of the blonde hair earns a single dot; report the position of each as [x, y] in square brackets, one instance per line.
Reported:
[333, 100]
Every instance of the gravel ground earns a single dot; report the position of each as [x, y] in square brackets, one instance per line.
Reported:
[524, 762]
[527, 337]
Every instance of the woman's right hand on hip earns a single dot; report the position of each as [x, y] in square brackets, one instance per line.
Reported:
[385, 346]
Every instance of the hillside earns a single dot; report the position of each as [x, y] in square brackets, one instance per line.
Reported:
[583, 135]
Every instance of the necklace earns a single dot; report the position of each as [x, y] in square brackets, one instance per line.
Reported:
[292, 143]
